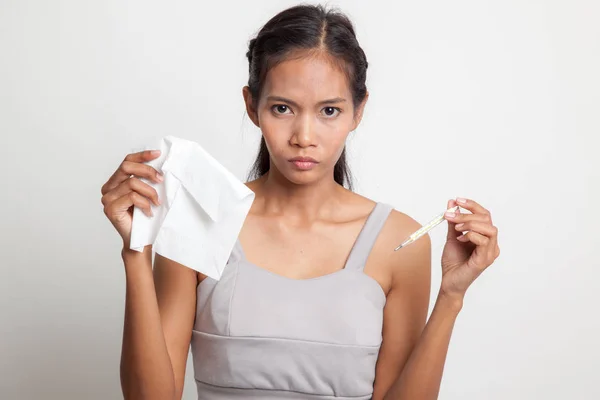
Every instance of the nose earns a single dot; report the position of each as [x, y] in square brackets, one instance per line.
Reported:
[303, 134]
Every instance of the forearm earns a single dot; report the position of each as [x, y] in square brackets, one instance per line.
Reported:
[422, 374]
[146, 371]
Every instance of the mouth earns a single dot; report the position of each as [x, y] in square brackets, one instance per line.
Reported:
[304, 159]
[304, 163]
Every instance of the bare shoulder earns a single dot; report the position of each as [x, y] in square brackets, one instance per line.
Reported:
[409, 264]
[396, 229]
[400, 226]
[412, 262]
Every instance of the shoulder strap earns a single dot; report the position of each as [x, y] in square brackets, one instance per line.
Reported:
[367, 237]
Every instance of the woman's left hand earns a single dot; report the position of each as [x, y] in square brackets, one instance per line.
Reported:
[466, 256]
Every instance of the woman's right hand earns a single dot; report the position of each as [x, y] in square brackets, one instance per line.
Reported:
[124, 190]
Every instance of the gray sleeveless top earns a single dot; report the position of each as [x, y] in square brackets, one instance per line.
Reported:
[260, 335]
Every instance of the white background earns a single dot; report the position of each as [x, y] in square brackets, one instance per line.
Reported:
[493, 100]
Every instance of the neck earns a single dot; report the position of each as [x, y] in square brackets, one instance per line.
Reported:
[303, 203]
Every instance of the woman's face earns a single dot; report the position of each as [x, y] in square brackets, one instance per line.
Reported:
[305, 110]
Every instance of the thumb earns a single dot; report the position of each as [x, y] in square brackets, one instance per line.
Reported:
[452, 232]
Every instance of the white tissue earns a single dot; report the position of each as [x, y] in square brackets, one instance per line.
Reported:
[203, 207]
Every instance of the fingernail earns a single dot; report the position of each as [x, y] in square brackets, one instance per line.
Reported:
[459, 226]
[461, 200]
[155, 152]
[160, 177]
[450, 214]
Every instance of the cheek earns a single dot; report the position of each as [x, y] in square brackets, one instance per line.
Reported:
[275, 140]
[336, 139]
[339, 129]
[332, 133]
[339, 149]
[271, 134]
[273, 130]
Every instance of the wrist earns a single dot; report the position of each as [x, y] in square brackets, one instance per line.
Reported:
[126, 250]
[127, 253]
[131, 256]
[452, 301]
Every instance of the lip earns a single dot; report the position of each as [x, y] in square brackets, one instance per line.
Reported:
[304, 159]
[304, 163]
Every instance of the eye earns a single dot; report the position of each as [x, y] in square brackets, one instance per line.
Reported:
[330, 111]
[279, 108]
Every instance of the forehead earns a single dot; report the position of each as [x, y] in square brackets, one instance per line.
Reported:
[314, 77]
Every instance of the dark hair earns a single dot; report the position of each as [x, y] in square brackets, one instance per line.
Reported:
[298, 29]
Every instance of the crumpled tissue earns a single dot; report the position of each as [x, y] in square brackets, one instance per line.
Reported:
[203, 208]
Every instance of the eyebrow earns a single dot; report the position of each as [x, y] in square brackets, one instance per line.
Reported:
[328, 101]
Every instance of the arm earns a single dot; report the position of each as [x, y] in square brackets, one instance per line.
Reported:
[422, 374]
[464, 258]
[159, 315]
[413, 350]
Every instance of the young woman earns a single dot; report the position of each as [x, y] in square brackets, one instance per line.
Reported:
[313, 303]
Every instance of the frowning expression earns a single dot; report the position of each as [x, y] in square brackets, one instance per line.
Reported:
[305, 112]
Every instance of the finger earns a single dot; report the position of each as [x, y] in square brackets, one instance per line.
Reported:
[464, 217]
[482, 228]
[474, 237]
[129, 168]
[473, 206]
[120, 175]
[131, 199]
[480, 218]
[451, 235]
[142, 156]
[132, 184]
[486, 252]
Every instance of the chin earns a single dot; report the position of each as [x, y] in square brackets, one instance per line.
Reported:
[306, 177]
[300, 177]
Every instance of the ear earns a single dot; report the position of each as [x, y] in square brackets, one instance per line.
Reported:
[359, 112]
[249, 107]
